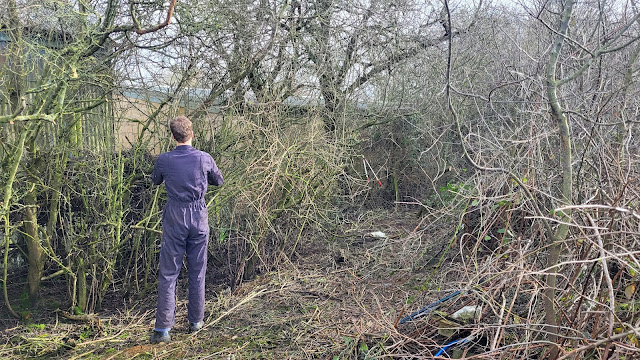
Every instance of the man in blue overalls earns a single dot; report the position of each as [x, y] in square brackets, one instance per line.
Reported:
[185, 226]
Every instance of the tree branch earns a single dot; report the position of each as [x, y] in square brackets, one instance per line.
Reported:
[163, 24]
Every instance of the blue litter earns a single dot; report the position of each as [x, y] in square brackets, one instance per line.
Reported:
[427, 309]
[453, 343]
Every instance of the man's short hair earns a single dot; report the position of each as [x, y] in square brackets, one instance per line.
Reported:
[181, 128]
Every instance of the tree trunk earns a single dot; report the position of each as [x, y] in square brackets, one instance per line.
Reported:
[562, 230]
[54, 208]
[16, 56]
[82, 285]
[34, 253]
[6, 206]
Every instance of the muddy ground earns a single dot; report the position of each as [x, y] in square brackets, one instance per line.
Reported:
[339, 299]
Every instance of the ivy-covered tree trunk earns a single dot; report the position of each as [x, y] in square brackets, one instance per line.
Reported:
[33, 235]
[82, 284]
[34, 248]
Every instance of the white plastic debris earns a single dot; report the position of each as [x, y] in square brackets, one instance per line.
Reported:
[468, 312]
[377, 235]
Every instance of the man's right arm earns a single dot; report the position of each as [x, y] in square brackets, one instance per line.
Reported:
[214, 176]
[157, 177]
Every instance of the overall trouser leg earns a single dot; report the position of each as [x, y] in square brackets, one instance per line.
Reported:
[197, 263]
[174, 236]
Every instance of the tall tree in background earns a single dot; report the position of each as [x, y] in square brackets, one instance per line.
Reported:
[351, 42]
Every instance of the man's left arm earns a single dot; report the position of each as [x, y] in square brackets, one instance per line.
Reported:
[156, 176]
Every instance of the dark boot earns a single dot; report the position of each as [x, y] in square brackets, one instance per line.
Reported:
[160, 337]
[193, 327]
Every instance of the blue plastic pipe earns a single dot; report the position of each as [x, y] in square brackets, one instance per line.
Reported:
[427, 309]
[455, 342]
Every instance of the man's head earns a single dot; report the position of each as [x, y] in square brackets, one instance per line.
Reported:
[181, 129]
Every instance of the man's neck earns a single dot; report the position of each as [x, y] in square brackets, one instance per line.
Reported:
[188, 142]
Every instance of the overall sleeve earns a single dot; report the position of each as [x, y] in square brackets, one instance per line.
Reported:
[157, 177]
[214, 176]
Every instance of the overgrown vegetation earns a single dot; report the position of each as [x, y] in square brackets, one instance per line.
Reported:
[503, 137]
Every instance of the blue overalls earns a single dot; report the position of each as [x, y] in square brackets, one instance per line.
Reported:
[185, 228]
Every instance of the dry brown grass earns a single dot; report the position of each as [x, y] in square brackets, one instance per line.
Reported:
[337, 298]
[341, 298]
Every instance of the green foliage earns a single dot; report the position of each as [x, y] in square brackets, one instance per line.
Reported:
[452, 189]
[36, 327]
[85, 334]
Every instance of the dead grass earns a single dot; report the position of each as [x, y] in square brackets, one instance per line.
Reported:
[339, 299]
